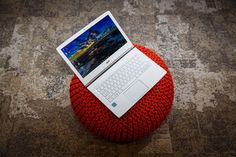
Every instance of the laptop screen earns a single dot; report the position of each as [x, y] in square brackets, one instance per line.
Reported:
[91, 48]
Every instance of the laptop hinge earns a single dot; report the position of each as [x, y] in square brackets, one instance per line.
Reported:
[102, 72]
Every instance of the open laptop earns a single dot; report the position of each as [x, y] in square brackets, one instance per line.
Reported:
[109, 65]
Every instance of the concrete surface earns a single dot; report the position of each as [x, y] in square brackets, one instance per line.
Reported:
[197, 39]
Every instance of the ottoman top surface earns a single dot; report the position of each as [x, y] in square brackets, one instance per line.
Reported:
[141, 120]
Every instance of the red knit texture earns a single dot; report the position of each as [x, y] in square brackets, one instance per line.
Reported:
[141, 120]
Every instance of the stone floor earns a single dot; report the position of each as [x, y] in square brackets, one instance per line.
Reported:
[196, 38]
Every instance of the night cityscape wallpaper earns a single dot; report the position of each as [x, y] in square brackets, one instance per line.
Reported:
[94, 46]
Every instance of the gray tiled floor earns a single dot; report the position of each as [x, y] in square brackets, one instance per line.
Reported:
[196, 38]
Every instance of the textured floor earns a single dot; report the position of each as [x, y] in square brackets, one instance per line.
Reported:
[196, 38]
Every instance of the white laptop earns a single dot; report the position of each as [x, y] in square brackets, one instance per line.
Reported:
[109, 65]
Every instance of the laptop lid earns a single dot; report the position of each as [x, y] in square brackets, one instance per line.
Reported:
[95, 48]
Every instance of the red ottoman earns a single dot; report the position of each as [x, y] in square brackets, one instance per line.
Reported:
[141, 120]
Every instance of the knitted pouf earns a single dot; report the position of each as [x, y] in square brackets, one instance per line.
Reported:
[141, 120]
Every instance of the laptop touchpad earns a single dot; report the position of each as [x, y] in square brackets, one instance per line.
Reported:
[136, 91]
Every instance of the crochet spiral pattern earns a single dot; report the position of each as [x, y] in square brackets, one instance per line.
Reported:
[141, 120]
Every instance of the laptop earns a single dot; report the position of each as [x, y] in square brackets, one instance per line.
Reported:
[108, 64]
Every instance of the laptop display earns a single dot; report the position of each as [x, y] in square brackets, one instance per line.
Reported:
[90, 49]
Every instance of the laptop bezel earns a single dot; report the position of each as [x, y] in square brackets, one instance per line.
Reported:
[105, 64]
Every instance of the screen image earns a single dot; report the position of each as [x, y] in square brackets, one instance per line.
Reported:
[95, 45]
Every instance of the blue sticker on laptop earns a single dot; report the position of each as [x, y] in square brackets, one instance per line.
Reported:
[113, 104]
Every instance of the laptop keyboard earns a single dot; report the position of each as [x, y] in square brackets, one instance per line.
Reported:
[115, 84]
